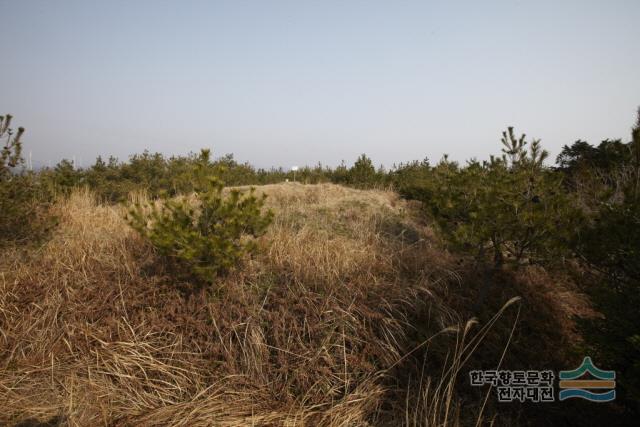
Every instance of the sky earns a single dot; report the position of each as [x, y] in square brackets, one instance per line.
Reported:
[283, 83]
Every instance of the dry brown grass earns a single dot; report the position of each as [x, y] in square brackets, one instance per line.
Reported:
[319, 329]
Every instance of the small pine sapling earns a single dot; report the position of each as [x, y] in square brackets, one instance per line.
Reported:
[207, 236]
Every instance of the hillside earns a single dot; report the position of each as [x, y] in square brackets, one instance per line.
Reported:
[312, 331]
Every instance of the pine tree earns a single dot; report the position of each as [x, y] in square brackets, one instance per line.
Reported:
[510, 206]
[207, 236]
[22, 199]
[362, 174]
[11, 154]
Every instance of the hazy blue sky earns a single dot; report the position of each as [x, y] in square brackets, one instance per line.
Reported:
[296, 82]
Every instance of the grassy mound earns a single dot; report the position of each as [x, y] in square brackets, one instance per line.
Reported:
[312, 331]
[342, 319]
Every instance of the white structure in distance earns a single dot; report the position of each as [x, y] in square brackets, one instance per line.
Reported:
[294, 169]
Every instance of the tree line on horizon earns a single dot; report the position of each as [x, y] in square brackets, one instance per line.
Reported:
[157, 174]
